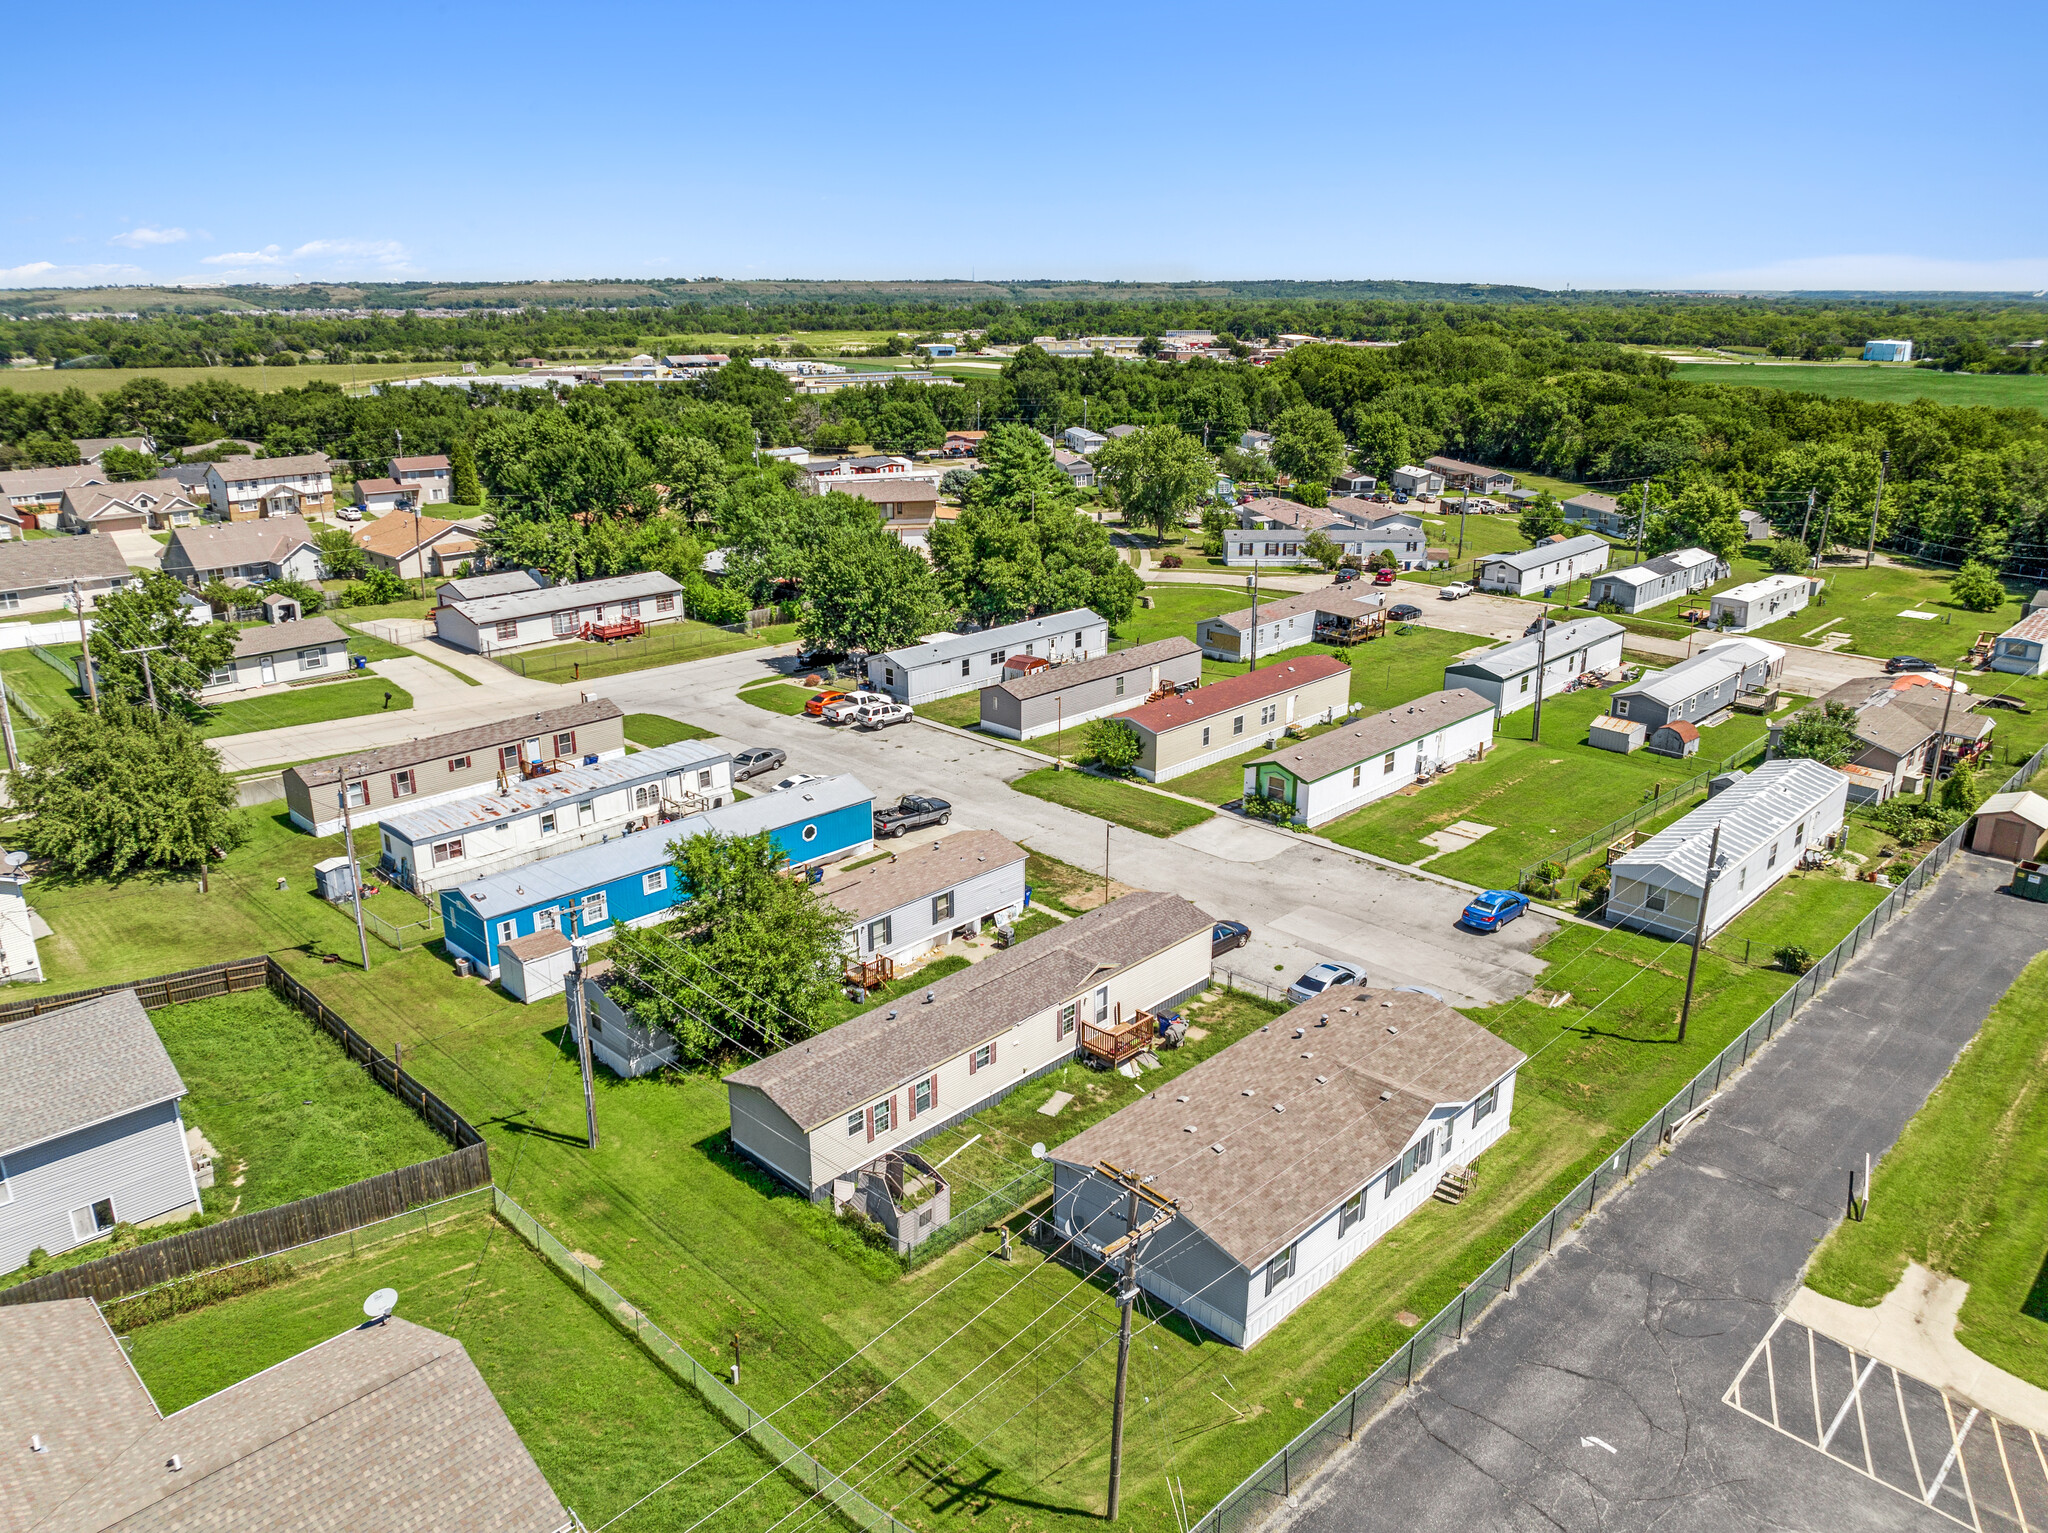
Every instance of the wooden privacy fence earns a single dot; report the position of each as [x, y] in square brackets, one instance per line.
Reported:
[263, 1233]
[164, 990]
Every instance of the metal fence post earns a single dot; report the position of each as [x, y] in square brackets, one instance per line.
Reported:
[1461, 1312]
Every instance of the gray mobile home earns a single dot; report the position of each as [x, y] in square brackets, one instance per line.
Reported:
[1696, 691]
[1057, 696]
[1656, 581]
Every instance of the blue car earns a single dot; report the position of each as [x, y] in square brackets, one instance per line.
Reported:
[1494, 909]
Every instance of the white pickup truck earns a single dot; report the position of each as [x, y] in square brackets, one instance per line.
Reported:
[841, 710]
[1453, 591]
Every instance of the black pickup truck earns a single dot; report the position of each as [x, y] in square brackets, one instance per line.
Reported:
[911, 812]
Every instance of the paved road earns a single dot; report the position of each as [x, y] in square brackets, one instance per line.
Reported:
[1632, 1333]
[1304, 903]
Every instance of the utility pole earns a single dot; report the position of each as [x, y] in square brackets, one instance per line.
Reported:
[1884, 466]
[355, 874]
[1827, 515]
[1940, 744]
[1105, 863]
[1542, 649]
[1126, 1245]
[148, 679]
[1808, 520]
[92, 686]
[1699, 931]
[579, 1018]
[1642, 521]
[1464, 499]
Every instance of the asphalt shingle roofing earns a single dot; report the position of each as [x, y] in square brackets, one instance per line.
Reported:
[584, 593]
[457, 742]
[1362, 739]
[48, 561]
[78, 1066]
[920, 872]
[1277, 680]
[1060, 678]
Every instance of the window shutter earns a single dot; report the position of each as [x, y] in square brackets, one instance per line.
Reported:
[871, 1125]
[935, 1092]
[894, 1117]
[992, 1052]
[972, 1055]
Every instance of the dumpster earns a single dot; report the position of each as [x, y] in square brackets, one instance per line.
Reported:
[2029, 882]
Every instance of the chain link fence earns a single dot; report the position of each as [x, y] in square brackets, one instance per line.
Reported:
[1274, 1484]
[1658, 801]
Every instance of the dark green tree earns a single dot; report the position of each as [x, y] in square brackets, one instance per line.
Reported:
[1977, 588]
[150, 618]
[1787, 556]
[1542, 518]
[1111, 744]
[341, 556]
[1826, 734]
[1701, 516]
[1307, 445]
[1000, 564]
[464, 488]
[866, 591]
[1156, 475]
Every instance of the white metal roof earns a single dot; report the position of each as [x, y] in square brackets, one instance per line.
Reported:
[1749, 813]
[1549, 553]
[1686, 679]
[456, 815]
[1513, 658]
[943, 647]
[1770, 585]
[584, 593]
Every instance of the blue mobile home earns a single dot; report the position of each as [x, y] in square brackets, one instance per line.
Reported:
[628, 880]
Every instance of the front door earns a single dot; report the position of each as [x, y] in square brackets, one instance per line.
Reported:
[269, 671]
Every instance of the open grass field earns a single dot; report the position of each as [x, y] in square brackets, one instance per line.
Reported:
[1894, 385]
[1868, 603]
[668, 644]
[1964, 1192]
[650, 730]
[1125, 803]
[266, 380]
[603, 1422]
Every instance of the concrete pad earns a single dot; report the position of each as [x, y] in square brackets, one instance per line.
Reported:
[1054, 1103]
[140, 550]
[1232, 840]
[1913, 1329]
[1922, 617]
[38, 928]
[429, 685]
[1455, 838]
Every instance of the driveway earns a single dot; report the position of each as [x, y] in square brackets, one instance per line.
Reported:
[1304, 903]
[1593, 1399]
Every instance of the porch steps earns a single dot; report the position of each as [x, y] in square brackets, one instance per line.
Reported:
[1455, 1184]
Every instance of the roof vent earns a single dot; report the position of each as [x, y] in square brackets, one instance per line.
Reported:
[1217, 1148]
[1308, 1056]
[1180, 1099]
[1189, 1129]
[35, 1443]
[174, 1463]
[1386, 1096]
[1279, 1107]
[930, 996]
[1246, 1092]
[1393, 1032]
[1323, 1020]
[890, 1018]
[1322, 1080]
[1300, 1032]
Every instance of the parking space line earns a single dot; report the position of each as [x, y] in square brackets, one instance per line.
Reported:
[1862, 1425]
[1906, 1426]
[1813, 1380]
[2012, 1487]
[1855, 1398]
[1955, 1455]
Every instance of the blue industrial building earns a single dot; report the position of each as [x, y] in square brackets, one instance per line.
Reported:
[628, 879]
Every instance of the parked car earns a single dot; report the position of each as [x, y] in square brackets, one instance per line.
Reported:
[1322, 976]
[821, 701]
[1494, 909]
[1384, 576]
[1899, 663]
[349, 513]
[1407, 612]
[1345, 577]
[795, 780]
[881, 715]
[1400, 499]
[1229, 934]
[845, 708]
[913, 811]
[818, 659]
[756, 760]
[1453, 591]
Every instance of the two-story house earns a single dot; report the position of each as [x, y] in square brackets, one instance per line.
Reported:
[428, 477]
[249, 489]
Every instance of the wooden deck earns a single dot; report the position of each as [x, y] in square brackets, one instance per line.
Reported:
[1118, 1040]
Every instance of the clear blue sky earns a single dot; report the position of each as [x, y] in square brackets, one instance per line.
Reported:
[1598, 145]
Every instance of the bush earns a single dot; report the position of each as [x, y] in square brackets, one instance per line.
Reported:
[1275, 811]
[1111, 744]
[377, 588]
[1543, 879]
[1170, 562]
[1793, 959]
[310, 598]
[1787, 556]
[1977, 586]
[1593, 890]
[1912, 823]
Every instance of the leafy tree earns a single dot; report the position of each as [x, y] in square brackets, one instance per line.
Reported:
[1702, 516]
[751, 956]
[123, 791]
[1542, 518]
[1826, 734]
[1788, 556]
[1001, 564]
[1319, 546]
[1383, 559]
[341, 556]
[377, 588]
[1977, 588]
[693, 474]
[867, 591]
[1018, 472]
[1959, 789]
[1312, 492]
[1111, 744]
[955, 482]
[150, 617]
[1385, 441]
[1156, 475]
[1215, 523]
[464, 487]
[1307, 445]
[309, 597]
[124, 466]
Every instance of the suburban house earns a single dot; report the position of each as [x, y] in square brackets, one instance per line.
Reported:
[36, 575]
[1410, 480]
[1554, 563]
[153, 505]
[387, 1425]
[1701, 689]
[1081, 441]
[494, 625]
[1256, 442]
[1506, 676]
[381, 497]
[90, 1134]
[431, 848]
[28, 491]
[20, 964]
[92, 449]
[1024, 705]
[497, 583]
[1182, 734]
[910, 508]
[963, 444]
[1767, 818]
[817, 1112]
[293, 649]
[1354, 481]
[943, 664]
[628, 880]
[1369, 757]
[1602, 513]
[437, 768]
[427, 477]
[1656, 581]
[2010, 826]
[910, 905]
[1459, 475]
[245, 489]
[1907, 727]
[1272, 531]
[1280, 624]
[1075, 467]
[1291, 1152]
[416, 546]
[1741, 608]
[837, 473]
[275, 548]
[2022, 650]
[1118, 433]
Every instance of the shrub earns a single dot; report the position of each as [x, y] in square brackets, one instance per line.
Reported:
[1170, 562]
[377, 588]
[1276, 811]
[1793, 959]
[1542, 880]
[1593, 890]
[1111, 744]
[1977, 586]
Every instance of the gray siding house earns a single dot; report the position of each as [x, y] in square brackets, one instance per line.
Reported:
[948, 663]
[1656, 581]
[1506, 677]
[1056, 696]
[1695, 691]
[1603, 513]
[1544, 566]
[90, 1134]
[912, 903]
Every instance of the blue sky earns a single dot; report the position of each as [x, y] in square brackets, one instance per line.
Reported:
[1595, 145]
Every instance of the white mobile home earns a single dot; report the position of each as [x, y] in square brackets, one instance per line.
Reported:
[1640, 587]
[910, 904]
[943, 664]
[2022, 650]
[1507, 676]
[1554, 563]
[1369, 758]
[1291, 1152]
[1766, 820]
[1741, 608]
[492, 625]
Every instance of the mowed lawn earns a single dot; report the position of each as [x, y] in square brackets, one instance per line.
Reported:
[604, 1423]
[1964, 1192]
[650, 730]
[667, 644]
[104, 380]
[1107, 799]
[1869, 603]
[1895, 385]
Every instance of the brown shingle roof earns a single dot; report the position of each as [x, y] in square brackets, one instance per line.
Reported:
[1280, 1172]
[222, 545]
[889, 492]
[50, 481]
[276, 638]
[239, 468]
[1057, 678]
[392, 536]
[457, 742]
[1236, 692]
[1330, 598]
[919, 872]
[1365, 738]
[859, 1060]
[62, 1376]
[431, 460]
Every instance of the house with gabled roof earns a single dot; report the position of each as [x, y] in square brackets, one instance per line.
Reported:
[941, 664]
[1368, 757]
[1182, 734]
[249, 489]
[1512, 675]
[1553, 562]
[148, 505]
[910, 904]
[1029, 703]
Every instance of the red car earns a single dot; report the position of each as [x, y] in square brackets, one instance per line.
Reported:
[1382, 576]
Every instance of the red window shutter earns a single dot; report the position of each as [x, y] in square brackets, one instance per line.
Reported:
[894, 1116]
[972, 1056]
[871, 1125]
[991, 1053]
[913, 1104]
[935, 1091]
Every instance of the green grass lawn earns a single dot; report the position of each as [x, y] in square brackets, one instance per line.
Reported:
[1896, 385]
[1867, 604]
[604, 1423]
[104, 380]
[652, 729]
[305, 705]
[1130, 806]
[1964, 1192]
[370, 647]
[667, 644]
[1175, 610]
[779, 697]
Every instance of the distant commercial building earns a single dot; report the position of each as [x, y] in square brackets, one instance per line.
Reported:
[1887, 351]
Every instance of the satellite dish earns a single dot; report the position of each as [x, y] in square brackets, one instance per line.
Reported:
[1038, 1150]
[381, 1303]
[16, 859]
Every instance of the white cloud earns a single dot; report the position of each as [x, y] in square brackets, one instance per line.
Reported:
[1884, 273]
[50, 274]
[388, 253]
[267, 256]
[143, 235]
[26, 273]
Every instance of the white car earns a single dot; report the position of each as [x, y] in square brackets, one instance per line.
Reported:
[1453, 591]
[881, 715]
[349, 514]
[796, 780]
[842, 709]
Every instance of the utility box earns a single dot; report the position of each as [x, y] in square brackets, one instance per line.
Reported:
[335, 879]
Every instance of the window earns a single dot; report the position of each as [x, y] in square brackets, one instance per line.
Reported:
[883, 1113]
[855, 1122]
[1269, 714]
[1741, 880]
[1119, 686]
[1205, 734]
[1772, 861]
[1799, 834]
[966, 664]
[1077, 641]
[95, 1219]
[508, 756]
[629, 608]
[878, 934]
[1065, 1026]
[664, 604]
[1352, 1211]
[547, 920]
[447, 851]
[223, 676]
[646, 795]
[921, 1097]
[565, 743]
[982, 1058]
[586, 813]
[810, 832]
[704, 778]
[888, 676]
[458, 763]
[997, 656]
[1387, 763]
[1101, 1005]
[1237, 725]
[1621, 707]
[1279, 1269]
[547, 823]
[655, 882]
[359, 794]
[507, 930]
[593, 910]
[1525, 681]
[1488, 1101]
[942, 907]
[1654, 900]
[6, 1192]
[10, 601]
[564, 624]
[404, 784]
[1356, 773]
